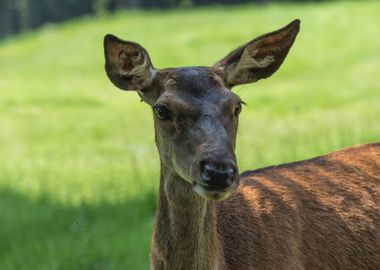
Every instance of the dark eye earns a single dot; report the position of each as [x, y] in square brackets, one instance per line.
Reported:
[162, 112]
[237, 109]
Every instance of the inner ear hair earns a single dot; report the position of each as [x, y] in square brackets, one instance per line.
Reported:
[259, 58]
[127, 64]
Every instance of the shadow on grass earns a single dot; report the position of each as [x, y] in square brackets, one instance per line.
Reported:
[42, 234]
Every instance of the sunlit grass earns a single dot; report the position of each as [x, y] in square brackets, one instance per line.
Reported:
[78, 165]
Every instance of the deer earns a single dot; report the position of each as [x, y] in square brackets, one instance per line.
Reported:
[321, 213]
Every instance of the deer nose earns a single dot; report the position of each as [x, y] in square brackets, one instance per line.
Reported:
[218, 174]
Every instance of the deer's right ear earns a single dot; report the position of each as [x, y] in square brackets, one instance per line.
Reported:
[259, 58]
[127, 64]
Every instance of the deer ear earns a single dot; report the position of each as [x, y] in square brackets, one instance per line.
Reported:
[128, 65]
[259, 58]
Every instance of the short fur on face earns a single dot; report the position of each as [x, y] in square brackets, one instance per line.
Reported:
[321, 213]
[203, 109]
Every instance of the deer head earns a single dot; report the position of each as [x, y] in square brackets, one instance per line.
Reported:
[195, 111]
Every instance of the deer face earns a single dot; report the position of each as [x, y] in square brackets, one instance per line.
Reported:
[196, 119]
[195, 112]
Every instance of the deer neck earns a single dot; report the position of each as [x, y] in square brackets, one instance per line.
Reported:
[185, 232]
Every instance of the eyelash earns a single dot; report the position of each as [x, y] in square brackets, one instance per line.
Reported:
[238, 108]
[162, 112]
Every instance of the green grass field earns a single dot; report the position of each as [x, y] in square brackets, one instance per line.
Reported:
[78, 166]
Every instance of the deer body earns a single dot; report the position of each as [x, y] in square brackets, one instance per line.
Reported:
[322, 213]
[184, 237]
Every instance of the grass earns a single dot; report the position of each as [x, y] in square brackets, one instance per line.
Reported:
[78, 165]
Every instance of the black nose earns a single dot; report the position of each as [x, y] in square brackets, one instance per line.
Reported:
[218, 174]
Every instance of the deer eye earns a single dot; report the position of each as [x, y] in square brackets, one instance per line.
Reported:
[162, 112]
[237, 109]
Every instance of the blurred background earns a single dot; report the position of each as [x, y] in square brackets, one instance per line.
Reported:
[78, 166]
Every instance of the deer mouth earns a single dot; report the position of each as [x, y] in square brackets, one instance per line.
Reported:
[213, 192]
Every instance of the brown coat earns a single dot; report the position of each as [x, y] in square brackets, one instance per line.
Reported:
[322, 213]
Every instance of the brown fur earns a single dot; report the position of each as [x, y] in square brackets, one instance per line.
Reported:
[184, 237]
[321, 213]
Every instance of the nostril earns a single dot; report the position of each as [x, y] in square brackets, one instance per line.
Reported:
[208, 168]
[230, 172]
[217, 174]
[206, 171]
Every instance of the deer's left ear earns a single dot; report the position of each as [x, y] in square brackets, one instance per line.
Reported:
[259, 58]
[128, 64]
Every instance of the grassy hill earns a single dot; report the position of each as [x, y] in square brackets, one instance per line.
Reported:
[78, 165]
